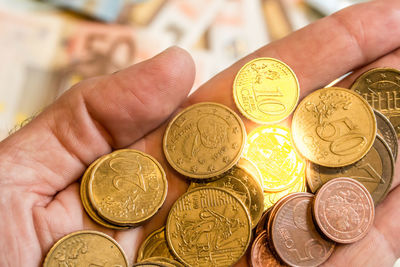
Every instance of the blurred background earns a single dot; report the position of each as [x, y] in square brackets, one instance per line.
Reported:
[47, 46]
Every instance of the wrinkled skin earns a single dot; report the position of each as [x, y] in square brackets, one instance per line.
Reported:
[41, 163]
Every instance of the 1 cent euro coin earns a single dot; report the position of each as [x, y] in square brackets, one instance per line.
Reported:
[86, 248]
[266, 90]
[344, 210]
[127, 187]
[208, 226]
[205, 140]
[333, 127]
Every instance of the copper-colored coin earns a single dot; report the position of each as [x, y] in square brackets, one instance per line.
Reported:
[294, 236]
[155, 245]
[88, 206]
[127, 187]
[344, 210]
[204, 140]
[262, 223]
[276, 206]
[381, 88]
[333, 127]
[208, 226]
[86, 248]
[375, 171]
[266, 90]
[245, 186]
[261, 255]
[387, 131]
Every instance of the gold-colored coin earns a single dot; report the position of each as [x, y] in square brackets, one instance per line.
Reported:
[86, 248]
[167, 262]
[148, 264]
[381, 88]
[375, 171]
[208, 227]
[204, 140]
[271, 150]
[250, 167]
[155, 245]
[386, 130]
[266, 90]
[333, 127]
[270, 198]
[127, 187]
[88, 206]
[245, 186]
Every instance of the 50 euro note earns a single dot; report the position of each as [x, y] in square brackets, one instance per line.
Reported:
[44, 55]
[91, 49]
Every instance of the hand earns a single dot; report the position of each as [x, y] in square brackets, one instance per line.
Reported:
[41, 163]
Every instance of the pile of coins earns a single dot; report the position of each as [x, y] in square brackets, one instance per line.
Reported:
[251, 191]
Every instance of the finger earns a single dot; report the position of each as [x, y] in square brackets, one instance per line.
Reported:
[92, 118]
[322, 51]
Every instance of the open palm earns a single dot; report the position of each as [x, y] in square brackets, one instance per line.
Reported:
[40, 164]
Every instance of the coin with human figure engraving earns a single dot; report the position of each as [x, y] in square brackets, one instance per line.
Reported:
[381, 88]
[266, 90]
[333, 127]
[245, 186]
[86, 248]
[208, 226]
[204, 140]
[344, 210]
[127, 187]
[375, 171]
[293, 234]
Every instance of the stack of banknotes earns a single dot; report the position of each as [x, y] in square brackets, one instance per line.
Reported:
[47, 46]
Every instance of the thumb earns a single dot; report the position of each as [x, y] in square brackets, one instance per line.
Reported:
[95, 116]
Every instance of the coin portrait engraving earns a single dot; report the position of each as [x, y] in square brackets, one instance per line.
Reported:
[204, 140]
